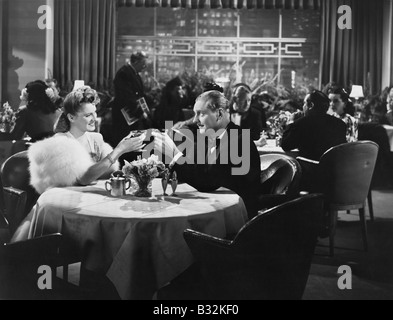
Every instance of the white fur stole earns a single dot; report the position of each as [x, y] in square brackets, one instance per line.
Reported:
[57, 162]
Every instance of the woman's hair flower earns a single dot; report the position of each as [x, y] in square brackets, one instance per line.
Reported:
[52, 94]
[86, 94]
[24, 96]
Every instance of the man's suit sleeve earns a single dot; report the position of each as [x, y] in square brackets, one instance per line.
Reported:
[257, 124]
[197, 176]
[292, 137]
[126, 93]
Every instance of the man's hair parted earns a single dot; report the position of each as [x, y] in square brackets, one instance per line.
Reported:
[215, 100]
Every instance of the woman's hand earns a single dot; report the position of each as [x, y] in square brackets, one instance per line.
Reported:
[131, 144]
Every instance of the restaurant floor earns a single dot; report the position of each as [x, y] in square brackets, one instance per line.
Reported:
[372, 271]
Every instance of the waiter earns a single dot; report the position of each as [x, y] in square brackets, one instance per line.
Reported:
[129, 110]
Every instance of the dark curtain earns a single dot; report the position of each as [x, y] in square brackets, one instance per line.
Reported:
[85, 42]
[225, 4]
[3, 38]
[352, 56]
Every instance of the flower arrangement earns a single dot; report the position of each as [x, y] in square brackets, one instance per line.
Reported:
[144, 171]
[278, 123]
[7, 118]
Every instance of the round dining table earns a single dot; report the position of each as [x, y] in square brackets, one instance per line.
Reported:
[137, 243]
[272, 147]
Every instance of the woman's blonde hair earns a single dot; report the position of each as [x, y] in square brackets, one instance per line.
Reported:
[73, 103]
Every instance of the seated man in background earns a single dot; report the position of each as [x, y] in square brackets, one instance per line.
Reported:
[228, 145]
[241, 112]
[317, 131]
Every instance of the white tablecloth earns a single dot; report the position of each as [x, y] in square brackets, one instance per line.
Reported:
[270, 147]
[389, 131]
[136, 242]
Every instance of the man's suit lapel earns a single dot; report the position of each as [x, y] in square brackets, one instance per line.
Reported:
[222, 145]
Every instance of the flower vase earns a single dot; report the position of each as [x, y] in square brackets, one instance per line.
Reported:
[278, 140]
[144, 187]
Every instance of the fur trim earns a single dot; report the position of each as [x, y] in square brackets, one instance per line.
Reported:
[57, 162]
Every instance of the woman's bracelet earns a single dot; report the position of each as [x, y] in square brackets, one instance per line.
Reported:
[110, 159]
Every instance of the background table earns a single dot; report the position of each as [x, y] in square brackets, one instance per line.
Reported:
[271, 147]
[389, 131]
[136, 242]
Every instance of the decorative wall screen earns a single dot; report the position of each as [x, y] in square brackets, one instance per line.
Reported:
[247, 44]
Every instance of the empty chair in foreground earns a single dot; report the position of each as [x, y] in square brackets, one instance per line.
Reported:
[269, 258]
[15, 176]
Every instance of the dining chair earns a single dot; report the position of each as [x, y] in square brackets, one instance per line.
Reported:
[343, 175]
[15, 173]
[19, 261]
[269, 258]
[384, 166]
[280, 179]
[13, 211]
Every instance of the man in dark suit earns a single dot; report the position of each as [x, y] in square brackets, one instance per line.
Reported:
[241, 112]
[128, 89]
[231, 159]
[317, 131]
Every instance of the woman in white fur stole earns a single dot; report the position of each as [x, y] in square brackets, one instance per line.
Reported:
[77, 155]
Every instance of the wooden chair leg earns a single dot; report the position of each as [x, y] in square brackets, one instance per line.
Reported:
[333, 224]
[362, 215]
[370, 204]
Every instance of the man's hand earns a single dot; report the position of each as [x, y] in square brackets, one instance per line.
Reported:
[164, 144]
[262, 140]
[179, 125]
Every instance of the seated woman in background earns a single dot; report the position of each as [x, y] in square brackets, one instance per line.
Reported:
[38, 117]
[343, 109]
[76, 155]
